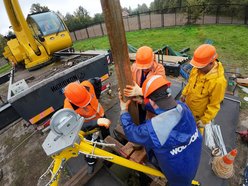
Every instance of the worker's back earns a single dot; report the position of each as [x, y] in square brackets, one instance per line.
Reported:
[182, 144]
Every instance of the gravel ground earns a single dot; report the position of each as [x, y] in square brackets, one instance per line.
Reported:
[25, 164]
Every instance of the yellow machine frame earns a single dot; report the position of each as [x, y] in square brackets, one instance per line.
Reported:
[25, 48]
[87, 147]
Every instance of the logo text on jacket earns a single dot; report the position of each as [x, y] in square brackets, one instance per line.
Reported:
[177, 150]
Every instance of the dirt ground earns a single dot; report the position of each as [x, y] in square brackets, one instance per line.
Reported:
[2, 61]
[242, 157]
[21, 155]
[24, 164]
[23, 160]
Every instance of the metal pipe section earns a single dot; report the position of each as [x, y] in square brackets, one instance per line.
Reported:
[231, 99]
[11, 80]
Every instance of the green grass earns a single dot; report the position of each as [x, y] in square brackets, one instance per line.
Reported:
[242, 94]
[5, 68]
[231, 41]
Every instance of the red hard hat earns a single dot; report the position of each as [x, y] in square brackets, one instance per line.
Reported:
[77, 94]
[144, 57]
[153, 83]
[204, 55]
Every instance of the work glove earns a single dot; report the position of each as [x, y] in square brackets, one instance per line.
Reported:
[138, 100]
[182, 98]
[200, 126]
[123, 105]
[103, 122]
[133, 90]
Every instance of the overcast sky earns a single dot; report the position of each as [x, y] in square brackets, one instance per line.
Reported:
[64, 6]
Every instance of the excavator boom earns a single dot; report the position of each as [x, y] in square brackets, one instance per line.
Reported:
[37, 38]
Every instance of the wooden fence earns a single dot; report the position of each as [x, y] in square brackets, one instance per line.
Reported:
[198, 14]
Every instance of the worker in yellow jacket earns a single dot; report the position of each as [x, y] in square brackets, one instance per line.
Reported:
[206, 85]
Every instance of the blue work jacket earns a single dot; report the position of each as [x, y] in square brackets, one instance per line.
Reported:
[173, 138]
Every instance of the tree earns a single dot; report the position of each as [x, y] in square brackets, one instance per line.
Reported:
[98, 18]
[161, 4]
[70, 21]
[82, 17]
[130, 9]
[3, 43]
[60, 14]
[36, 7]
[142, 8]
[152, 6]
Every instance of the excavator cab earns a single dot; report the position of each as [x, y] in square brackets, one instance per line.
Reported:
[49, 29]
[45, 23]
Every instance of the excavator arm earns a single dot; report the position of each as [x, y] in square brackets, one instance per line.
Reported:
[28, 47]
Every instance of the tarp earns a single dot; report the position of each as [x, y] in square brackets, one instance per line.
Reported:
[166, 50]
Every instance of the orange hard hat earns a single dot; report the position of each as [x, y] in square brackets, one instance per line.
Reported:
[153, 83]
[77, 94]
[144, 57]
[204, 55]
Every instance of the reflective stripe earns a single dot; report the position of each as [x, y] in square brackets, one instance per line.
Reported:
[98, 108]
[97, 111]
[91, 96]
[91, 117]
[150, 82]
[41, 115]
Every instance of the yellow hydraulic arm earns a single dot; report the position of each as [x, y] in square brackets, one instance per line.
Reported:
[20, 25]
[86, 147]
[32, 45]
[24, 47]
[66, 140]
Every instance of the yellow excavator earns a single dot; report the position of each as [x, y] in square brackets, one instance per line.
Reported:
[36, 39]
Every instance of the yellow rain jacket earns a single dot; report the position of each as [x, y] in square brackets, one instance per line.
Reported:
[204, 92]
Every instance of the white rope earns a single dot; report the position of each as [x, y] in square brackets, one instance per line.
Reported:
[96, 156]
[221, 169]
[47, 171]
[99, 143]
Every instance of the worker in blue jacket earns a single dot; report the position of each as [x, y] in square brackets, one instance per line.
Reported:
[171, 138]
